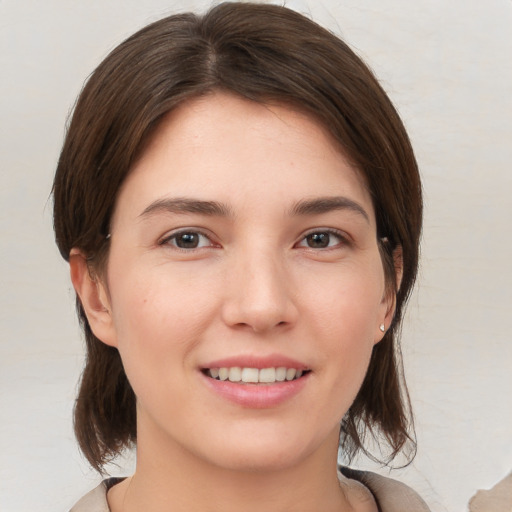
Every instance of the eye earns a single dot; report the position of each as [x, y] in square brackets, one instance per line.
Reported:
[187, 240]
[322, 240]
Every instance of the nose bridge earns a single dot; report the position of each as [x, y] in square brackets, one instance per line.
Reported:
[258, 290]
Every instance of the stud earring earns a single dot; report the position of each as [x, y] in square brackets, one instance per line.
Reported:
[382, 328]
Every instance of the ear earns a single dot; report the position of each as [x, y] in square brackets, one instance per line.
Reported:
[389, 300]
[93, 295]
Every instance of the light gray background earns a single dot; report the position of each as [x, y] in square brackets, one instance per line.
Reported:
[447, 66]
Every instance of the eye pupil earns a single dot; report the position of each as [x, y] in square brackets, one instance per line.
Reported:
[318, 240]
[187, 240]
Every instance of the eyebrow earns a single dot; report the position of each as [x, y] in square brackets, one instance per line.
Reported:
[321, 205]
[186, 205]
[315, 206]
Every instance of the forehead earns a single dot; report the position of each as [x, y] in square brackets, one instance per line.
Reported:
[238, 150]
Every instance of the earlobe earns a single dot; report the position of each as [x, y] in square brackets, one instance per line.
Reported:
[93, 296]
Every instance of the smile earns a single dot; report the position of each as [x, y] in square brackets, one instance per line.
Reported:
[254, 375]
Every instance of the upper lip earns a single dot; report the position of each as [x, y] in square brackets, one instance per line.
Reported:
[259, 362]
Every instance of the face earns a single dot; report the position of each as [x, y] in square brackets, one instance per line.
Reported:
[243, 246]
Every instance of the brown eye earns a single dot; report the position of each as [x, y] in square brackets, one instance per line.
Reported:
[318, 240]
[322, 240]
[188, 240]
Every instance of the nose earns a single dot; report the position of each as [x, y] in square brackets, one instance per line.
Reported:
[258, 294]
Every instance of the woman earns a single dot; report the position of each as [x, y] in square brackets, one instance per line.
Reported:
[241, 210]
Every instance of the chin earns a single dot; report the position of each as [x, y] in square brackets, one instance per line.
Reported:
[253, 461]
[261, 452]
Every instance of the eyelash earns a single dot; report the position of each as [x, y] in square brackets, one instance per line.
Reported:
[342, 239]
[167, 240]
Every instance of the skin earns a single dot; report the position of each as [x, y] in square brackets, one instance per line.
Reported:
[256, 285]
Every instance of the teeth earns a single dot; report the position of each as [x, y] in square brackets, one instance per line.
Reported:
[280, 374]
[250, 375]
[254, 376]
[290, 373]
[267, 375]
[235, 374]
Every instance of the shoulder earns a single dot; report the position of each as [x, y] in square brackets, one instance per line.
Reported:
[96, 500]
[391, 495]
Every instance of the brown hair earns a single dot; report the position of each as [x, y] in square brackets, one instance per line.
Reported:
[264, 53]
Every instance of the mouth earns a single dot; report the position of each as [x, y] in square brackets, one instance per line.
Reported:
[255, 376]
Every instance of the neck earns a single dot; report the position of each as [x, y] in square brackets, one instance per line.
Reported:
[169, 477]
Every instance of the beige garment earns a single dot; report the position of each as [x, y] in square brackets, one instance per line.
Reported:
[497, 499]
[390, 495]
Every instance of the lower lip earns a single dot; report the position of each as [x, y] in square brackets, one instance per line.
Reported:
[257, 396]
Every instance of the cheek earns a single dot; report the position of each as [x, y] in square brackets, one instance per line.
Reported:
[346, 300]
[158, 316]
[342, 318]
[158, 329]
